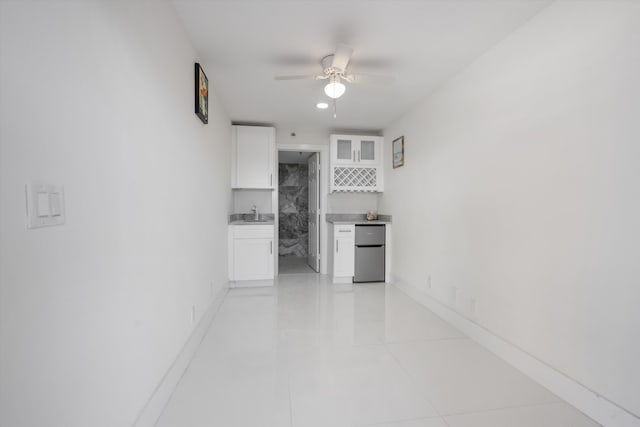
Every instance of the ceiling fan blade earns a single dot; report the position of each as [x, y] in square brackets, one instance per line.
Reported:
[298, 77]
[369, 79]
[341, 57]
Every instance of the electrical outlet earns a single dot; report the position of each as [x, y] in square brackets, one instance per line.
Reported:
[193, 314]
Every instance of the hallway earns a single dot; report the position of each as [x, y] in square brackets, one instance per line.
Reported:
[307, 353]
[294, 265]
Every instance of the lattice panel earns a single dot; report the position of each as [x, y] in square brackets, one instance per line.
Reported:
[354, 179]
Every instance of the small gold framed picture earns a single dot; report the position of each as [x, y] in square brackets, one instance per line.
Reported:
[398, 152]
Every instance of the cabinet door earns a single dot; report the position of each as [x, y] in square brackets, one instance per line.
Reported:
[368, 151]
[253, 259]
[343, 149]
[254, 157]
[344, 257]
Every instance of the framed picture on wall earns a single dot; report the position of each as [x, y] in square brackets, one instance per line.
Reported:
[398, 152]
[202, 94]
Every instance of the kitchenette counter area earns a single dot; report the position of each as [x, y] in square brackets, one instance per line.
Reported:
[251, 249]
[360, 248]
[358, 219]
[251, 219]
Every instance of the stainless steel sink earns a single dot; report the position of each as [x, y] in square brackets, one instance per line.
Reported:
[251, 219]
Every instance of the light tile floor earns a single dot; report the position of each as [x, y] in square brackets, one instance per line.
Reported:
[308, 353]
[294, 265]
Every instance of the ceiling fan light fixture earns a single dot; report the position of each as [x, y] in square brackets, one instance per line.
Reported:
[334, 89]
[322, 105]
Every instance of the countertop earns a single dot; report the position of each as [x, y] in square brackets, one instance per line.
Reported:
[359, 222]
[241, 222]
[268, 219]
[356, 219]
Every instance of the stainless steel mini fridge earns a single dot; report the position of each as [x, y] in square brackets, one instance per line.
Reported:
[370, 253]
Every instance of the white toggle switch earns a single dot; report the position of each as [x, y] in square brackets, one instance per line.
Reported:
[45, 205]
[42, 203]
[54, 204]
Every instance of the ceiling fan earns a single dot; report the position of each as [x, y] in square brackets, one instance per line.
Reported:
[334, 69]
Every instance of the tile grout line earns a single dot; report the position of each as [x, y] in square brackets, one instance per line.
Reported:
[411, 379]
[428, 340]
[530, 405]
[443, 416]
[474, 322]
[204, 336]
[403, 420]
[290, 400]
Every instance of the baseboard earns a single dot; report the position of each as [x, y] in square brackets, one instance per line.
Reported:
[589, 402]
[155, 405]
[251, 283]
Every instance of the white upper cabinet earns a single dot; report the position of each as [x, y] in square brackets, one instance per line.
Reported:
[356, 150]
[253, 157]
[357, 163]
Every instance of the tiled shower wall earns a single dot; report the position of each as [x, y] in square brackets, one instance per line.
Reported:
[293, 204]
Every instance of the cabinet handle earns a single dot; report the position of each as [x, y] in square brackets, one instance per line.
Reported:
[271, 180]
[271, 247]
[354, 155]
[358, 155]
[337, 245]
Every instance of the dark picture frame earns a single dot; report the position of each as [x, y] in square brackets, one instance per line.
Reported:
[397, 152]
[201, 94]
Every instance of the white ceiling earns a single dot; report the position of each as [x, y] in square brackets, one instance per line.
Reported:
[243, 44]
[293, 156]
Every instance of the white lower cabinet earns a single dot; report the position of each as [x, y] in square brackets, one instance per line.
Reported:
[251, 254]
[343, 256]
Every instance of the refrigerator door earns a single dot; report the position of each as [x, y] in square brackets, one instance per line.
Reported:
[370, 235]
[369, 264]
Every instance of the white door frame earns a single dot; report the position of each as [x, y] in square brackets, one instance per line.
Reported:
[313, 178]
[323, 151]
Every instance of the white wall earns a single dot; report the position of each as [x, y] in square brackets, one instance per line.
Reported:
[244, 200]
[522, 190]
[98, 96]
[352, 203]
[336, 202]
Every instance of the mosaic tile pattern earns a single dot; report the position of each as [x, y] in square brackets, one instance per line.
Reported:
[293, 198]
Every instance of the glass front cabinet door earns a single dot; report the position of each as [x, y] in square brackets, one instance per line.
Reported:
[343, 150]
[356, 150]
[367, 152]
[356, 163]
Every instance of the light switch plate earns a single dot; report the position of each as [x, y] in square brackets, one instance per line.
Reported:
[45, 205]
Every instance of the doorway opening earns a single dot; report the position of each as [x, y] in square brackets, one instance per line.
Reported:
[298, 212]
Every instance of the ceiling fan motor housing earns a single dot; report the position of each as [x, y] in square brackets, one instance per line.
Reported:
[327, 67]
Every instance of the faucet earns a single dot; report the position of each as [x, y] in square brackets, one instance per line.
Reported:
[254, 209]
